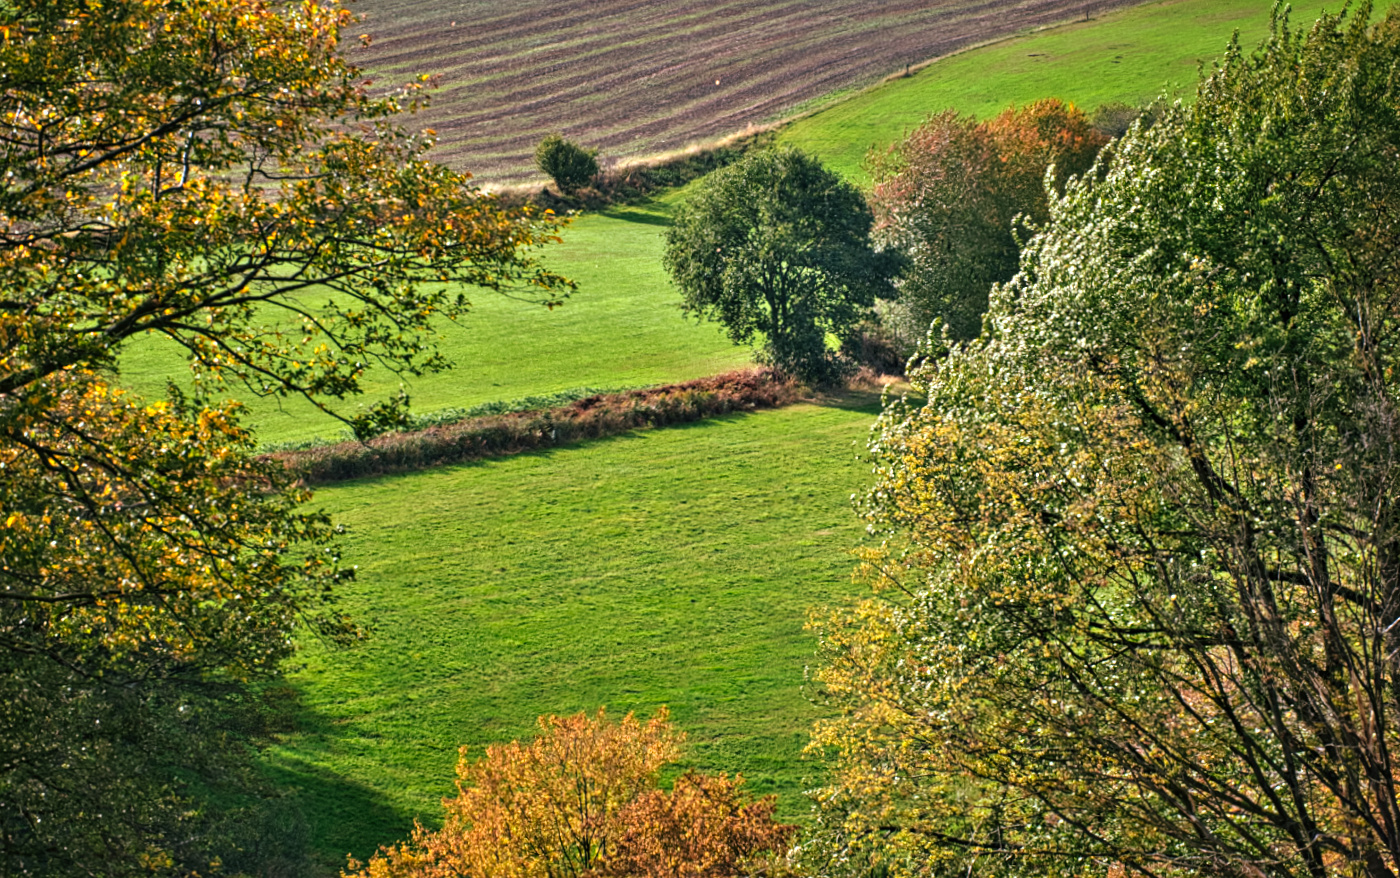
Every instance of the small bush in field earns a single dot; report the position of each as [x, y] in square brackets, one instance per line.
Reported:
[570, 166]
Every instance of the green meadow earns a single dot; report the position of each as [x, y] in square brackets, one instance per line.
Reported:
[669, 567]
[1130, 56]
[622, 328]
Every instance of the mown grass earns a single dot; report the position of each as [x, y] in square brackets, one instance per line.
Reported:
[666, 567]
[1132, 55]
[623, 328]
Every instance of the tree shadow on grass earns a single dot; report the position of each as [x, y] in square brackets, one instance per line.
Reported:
[864, 401]
[630, 215]
[342, 815]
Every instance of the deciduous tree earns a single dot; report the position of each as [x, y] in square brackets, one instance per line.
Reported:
[777, 247]
[702, 828]
[1139, 579]
[581, 800]
[211, 171]
[956, 196]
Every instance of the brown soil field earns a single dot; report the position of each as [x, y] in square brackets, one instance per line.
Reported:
[640, 77]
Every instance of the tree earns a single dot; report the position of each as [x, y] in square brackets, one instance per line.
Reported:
[579, 800]
[957, 195]
[211, 171]
[1139, 579]
[702, 828]
[778, 247]
[569, 165]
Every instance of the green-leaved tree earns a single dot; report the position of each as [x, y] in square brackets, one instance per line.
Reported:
[776, 247]
[1139, 606]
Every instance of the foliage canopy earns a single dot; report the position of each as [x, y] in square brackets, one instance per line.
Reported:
[581, 800]
[569, 165]
[1139, 579]
[214, 172]
[776, 246]
[957, 195]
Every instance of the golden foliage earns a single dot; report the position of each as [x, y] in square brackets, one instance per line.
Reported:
[581, 800]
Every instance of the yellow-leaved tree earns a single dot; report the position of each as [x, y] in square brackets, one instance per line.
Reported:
[1139, 567]
[214, 172]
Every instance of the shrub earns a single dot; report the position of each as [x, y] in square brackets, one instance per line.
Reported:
[581, 801]
[570, 166]
[511, 433]
[872, 345]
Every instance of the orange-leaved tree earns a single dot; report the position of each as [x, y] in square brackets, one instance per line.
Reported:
[955, 194]
[703, 828]
[581, 799]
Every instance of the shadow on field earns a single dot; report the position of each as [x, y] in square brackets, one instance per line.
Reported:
[865, 401]
[344, 817]
[628, 215]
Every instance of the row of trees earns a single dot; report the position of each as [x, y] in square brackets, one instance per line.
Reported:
[779, 249]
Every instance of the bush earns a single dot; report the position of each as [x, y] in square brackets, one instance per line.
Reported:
[1114, 119]
[568, 164]
[581, 801]
[876, 347]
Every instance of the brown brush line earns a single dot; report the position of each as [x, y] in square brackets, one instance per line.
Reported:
[498, 435]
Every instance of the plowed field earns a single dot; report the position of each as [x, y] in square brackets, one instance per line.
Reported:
[635, 77]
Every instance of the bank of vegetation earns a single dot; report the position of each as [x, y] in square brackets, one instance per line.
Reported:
[591, 417]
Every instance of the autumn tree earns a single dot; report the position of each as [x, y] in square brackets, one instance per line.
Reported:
[213, 172]
[776, 247]
[957, 195]
[702, 828]
[581, 799]
[1138, 576]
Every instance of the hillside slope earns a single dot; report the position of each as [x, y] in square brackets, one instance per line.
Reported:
[635, 77]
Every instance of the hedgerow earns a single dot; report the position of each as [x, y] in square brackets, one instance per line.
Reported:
[593, 417]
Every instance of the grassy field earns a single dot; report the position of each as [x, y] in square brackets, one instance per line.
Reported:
[1131, 55]
[666, 567]
[623, 328]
